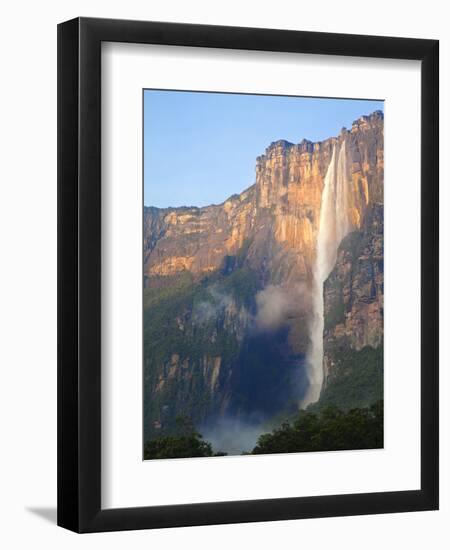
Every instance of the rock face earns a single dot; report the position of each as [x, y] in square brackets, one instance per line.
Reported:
[281, 210]
[353, 310]
[353, 293]
[228, 287]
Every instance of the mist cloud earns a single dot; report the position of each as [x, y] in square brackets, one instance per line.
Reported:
[232, 436]
[210, 309]
[275, 304]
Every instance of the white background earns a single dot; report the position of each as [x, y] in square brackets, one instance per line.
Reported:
[28, 285]
[126, 479]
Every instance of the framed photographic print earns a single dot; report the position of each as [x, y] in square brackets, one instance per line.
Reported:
[248, 275]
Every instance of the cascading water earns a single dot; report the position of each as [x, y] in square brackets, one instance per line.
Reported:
[333, 227]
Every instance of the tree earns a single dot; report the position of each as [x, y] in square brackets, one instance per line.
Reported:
[330, 429]
[185, 443]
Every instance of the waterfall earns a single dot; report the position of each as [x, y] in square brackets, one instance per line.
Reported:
[333, 227]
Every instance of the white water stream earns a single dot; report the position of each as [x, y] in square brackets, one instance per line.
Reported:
[333, 227]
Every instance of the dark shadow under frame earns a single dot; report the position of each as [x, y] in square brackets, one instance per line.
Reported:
[79, 274]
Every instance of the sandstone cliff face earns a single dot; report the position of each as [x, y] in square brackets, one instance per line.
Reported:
[280, 211]
[354, 292]
[227, 287]
[195, 239]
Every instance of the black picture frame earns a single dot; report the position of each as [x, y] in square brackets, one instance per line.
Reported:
[79, 274]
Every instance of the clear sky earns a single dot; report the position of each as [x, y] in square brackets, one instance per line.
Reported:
[200, 148]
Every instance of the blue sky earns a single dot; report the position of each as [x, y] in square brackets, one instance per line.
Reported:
[200, 148]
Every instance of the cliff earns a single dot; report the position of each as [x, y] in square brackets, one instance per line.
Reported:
[227, 300]
[354, 310]
[282, 206]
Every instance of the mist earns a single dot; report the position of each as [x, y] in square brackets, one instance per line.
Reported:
[276, 304]
[206, 310]
[232, 436]
[269, 321]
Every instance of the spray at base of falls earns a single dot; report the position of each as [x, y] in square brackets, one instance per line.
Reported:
[333, 227]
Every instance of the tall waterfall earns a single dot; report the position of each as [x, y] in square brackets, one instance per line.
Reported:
[333, 227]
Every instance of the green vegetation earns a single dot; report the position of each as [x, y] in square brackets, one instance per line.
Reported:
[348, 415]
[328, 430]
[184, 317]
[185, 321]
[336, 311]
[185, 326]
[352, 244]
[163, 288]
[183, 446]
[242, 285]
[185, 443]
[356, 379]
